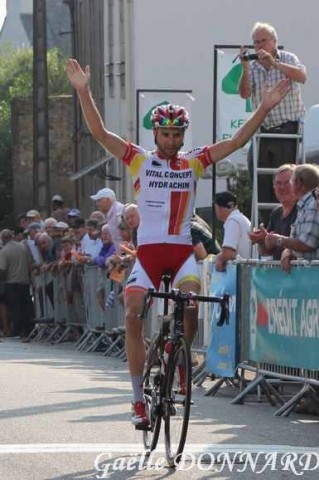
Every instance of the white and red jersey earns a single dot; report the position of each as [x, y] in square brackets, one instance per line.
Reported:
[165, 192]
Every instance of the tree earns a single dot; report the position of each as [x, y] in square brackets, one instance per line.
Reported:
[239, 183]
[16, 80]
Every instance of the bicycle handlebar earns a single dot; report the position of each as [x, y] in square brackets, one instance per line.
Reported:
[185, 297]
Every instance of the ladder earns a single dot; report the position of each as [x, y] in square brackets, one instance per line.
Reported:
[256, 205]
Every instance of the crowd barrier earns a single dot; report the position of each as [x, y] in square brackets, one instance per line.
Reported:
[272, 332]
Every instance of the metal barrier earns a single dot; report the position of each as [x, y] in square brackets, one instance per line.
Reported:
[42, 289]
[279, 328]
[70, 301]
[277, 323]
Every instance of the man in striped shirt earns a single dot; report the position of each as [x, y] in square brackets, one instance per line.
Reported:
[272, 65]
[303, 241]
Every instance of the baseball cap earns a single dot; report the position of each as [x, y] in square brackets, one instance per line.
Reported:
[225, 199]
[32, 213]
[34, 226]
[74, 212]
[61, 226]
[104, 193]
[57, 198]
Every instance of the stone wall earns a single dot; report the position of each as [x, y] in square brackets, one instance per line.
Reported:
[60, 151]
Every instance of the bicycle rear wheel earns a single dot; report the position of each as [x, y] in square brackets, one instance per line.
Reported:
[177, 400]
[153, 395]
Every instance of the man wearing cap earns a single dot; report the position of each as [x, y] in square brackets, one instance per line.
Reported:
[59, 212]
[112, 209]
[236, 230]
[33, 216]
[73, 214]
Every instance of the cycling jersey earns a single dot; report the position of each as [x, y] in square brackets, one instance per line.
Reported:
[165, 192]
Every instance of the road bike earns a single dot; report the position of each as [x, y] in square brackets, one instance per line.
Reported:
[168, 371]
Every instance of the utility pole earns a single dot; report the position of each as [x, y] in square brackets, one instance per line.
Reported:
[41, 162]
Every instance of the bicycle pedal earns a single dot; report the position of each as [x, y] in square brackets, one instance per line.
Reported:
[144, 428]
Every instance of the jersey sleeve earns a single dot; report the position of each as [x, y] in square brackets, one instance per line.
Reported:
[199, 159]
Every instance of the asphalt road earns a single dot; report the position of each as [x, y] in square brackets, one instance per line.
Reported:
[65, 416]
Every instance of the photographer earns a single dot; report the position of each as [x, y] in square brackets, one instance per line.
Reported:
[270, 66]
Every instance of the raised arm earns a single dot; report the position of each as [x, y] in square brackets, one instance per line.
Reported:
[244, 86]
[80, 80]
[271, 97]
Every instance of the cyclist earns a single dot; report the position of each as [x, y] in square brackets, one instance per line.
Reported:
[164, 183]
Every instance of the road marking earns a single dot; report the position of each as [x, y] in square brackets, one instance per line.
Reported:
[138, 449]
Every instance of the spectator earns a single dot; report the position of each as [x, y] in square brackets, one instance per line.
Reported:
[303, 241]
[49, 224]
[107, 249]
[106, 202]
[283, 216]
[33, 216]
[4, 320]
[46, 246]
[15, 263]
[236, 230]
[91, 243]
[99, 216]
[60, 230]
[59, 212]
[68, 250]
[202, 238]
[131, 219]
[272, 65]
[125, 232]
[30, 243]
[79, 230]
[23, 221]
[72, 215]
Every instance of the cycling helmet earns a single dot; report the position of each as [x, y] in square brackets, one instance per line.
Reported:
[168, 116]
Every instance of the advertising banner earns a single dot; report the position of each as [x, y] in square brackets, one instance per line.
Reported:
[231, 110]
[221, 354]
[284, 317]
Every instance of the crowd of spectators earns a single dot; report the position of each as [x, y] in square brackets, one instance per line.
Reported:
[54, 244]
[107, 239]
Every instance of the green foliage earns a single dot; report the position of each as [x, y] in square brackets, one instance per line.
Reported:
[239, 183]
[16, 80]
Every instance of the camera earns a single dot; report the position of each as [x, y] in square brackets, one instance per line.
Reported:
[249, 56]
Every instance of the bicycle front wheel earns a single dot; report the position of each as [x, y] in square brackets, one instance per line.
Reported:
[153, 396]
[177, 400]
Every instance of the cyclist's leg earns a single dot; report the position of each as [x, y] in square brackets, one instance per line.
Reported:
[136, 286]
[188, 280]
[135, 349]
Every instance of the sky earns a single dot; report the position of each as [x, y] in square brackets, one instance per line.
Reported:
[2, 11]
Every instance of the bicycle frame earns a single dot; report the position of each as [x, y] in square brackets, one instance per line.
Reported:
[164, 394]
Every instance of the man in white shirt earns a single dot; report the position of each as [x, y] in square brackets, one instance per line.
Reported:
[236, 230]
[106, 202]
[91, 243]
